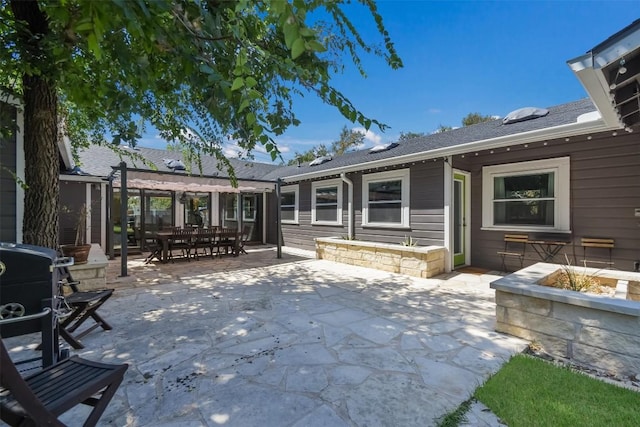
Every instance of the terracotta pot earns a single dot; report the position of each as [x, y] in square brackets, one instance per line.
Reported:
[80, 253]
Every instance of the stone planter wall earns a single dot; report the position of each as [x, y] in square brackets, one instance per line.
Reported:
[93, 274]
[590, 330]
[418, 261]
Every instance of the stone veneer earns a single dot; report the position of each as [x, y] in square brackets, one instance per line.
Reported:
[92, 275]
[590, 330]
[418, 261]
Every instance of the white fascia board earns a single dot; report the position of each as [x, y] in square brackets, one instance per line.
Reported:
[64, 146]
[562, 131]
[8, 98]
[82, 178]
[593, 82]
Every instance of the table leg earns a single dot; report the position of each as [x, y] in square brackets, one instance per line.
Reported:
[165, 250]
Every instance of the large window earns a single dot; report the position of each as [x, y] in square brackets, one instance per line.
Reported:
[529, 195]
[249, 207]
[289, 204]
[196, 208]
[326, 202]
[386, 199]
[231, 207]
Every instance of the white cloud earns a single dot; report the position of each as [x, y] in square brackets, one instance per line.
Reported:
[369, 135]
[434, 111]
[232, 150]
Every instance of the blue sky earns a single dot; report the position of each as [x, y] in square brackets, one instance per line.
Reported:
[459, 57]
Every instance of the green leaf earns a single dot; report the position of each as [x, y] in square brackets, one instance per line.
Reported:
[251, 119]
[237, 83]
[94, 47]
[316, 46]
[290, 34]
[84, 26]
[307, 32]
[250, 82]
[243, 105]
[298, 48]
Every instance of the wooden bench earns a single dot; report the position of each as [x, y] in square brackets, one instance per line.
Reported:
[515, 246]
[597, 243]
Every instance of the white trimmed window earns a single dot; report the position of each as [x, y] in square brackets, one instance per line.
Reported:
[531, 196]
[385, 199]
[231, 207]
[289, 198]
[249, 207]
[326, 202]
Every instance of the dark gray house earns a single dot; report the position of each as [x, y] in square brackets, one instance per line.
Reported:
[557, 174]
[566, 174]
[171, 193]
[11, 168]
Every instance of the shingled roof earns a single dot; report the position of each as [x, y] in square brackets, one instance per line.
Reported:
[98, 160]
[560, 115]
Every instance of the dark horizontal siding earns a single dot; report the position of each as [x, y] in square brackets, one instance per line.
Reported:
[426, 222]
[605, 190]
[7, 181]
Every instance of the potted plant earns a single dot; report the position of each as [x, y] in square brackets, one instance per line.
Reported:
[80, 249]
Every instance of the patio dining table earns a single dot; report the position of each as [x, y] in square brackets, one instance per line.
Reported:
[218, 237]
[547, 247]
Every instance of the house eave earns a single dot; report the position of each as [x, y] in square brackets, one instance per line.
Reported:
[562, 131]
[609, 73]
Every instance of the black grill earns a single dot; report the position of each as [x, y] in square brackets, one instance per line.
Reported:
[28, 284]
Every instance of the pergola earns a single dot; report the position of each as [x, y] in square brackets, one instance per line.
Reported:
[128, 178]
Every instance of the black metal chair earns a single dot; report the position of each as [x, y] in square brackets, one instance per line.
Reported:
[38, 399]
[83, 305]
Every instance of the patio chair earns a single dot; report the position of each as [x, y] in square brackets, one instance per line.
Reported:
[182, 240]
[83, 305]
[38, 399]
[597, 244]
[244, 237]
[515, 246]
[155, 249]
[227, 239]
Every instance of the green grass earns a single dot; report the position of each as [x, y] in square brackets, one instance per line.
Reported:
[532, 392]
[455, 418]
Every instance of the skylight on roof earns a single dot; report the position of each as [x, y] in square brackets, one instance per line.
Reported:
[383, 147]
[174, 164]
[320, 160]
[522, 114]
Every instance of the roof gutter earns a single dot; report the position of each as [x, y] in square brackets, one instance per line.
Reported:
[562, 131]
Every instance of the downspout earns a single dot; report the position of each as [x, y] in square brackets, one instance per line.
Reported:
[279, 218]
[350, 231]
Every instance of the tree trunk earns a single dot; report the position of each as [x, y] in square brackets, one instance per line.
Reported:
[41, 204]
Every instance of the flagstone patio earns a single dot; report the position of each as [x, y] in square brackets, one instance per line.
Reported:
[254, 340]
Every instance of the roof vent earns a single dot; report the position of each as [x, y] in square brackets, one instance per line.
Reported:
[522, 114]
[176, 165]
[384, 147]
[320, 160]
